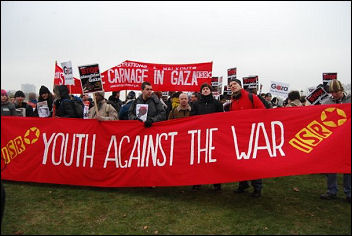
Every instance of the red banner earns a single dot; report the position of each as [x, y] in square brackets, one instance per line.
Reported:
[59, 80]
[130, 75]
[205, 149]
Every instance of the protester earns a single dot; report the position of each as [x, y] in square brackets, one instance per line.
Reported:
[7, 108]
[194, 98]
[207, 104]
[45, 95]
[337, 96]
[172, 102]
[64, 106]
[105, 111]
[115, 101]
[32, 100]
[182, 110]
[268, 97]
[123, 114]
[241, 100]
[293, 99]
[19, 103]
[155, 111]
[159, 95]
[86, 99]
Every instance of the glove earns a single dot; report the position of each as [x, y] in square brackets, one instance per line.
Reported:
[148, 123]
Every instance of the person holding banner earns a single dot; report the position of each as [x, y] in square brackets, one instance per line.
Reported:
[338, 96]
[19, 103]
[207, 104]
[147, 107]
[293, 99]
[45, 95]
[64, 105]
[105, 111]
[7, 107]
[182, 110]
[241, 101]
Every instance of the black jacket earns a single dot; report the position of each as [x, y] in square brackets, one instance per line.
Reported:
[206, 104]
[64, 105]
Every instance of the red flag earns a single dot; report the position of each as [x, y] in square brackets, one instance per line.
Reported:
[59, 80]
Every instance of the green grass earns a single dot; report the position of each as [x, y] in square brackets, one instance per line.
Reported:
[60, 209]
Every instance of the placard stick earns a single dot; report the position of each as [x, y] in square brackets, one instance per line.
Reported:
[95, 104]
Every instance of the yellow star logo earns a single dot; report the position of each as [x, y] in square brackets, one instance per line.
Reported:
[333, 117]
[32, 135]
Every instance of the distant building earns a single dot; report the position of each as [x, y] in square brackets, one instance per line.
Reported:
[28, 88]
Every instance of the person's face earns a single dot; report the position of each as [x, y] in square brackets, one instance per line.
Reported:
[206, 91]
[45, 96]
[85, 97]
[19, 99]
[147, 91]
[4, 98]
[194, 98]
[268, 98]
[117, 95]
[183, 99]
[234, 86]
[337, 95]
[98, 98]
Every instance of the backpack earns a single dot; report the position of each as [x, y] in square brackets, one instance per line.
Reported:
[265, 102]
[77, 107]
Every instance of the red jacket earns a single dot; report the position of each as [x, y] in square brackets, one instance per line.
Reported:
[245, 103]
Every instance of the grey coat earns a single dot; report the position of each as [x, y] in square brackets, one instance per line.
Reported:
[345, 99]
[8, 109]
[156, 111]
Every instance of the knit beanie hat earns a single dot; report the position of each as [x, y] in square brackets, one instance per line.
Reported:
[3, 92]
[19, 93]
[43, 90]
[237, 81]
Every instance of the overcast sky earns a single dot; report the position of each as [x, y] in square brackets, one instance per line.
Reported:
[291, 42]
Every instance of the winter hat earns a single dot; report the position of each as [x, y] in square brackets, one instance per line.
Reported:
[131, 95]
[205, 85]
[237, 81]
[335, 86]
[3, 92]
[19, 93]
[43, 90]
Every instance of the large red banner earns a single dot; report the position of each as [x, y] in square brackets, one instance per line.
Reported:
[205, 149]
[163, 77]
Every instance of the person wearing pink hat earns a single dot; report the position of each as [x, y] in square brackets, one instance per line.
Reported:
[7, 108]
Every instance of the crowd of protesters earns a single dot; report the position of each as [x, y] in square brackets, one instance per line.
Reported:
[179, 105]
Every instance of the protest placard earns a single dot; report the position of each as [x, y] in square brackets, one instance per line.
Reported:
[90, 78]
[250, 82]
[142, 111]
[279, 88]
[43, 109]
[327, 77]
[68, 74]
[317, 96]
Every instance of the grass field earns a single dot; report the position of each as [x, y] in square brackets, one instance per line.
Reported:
[289, 205]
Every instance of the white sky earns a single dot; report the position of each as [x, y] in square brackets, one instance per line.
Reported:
[291, 42]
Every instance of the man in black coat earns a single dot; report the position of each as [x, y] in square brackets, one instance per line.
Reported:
[205, 105]
[19, 103]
